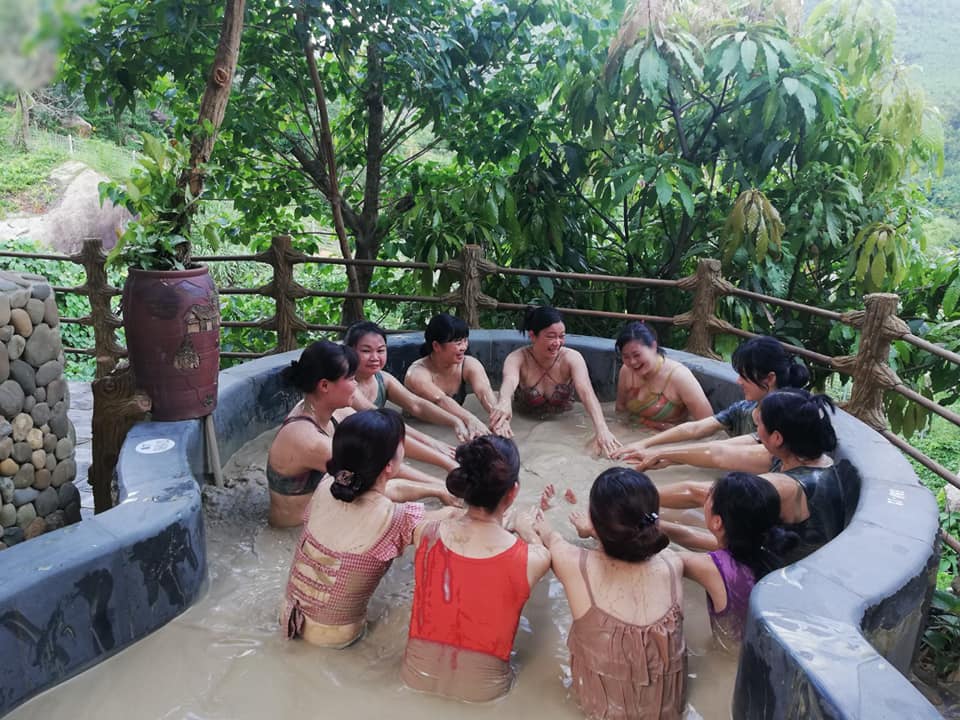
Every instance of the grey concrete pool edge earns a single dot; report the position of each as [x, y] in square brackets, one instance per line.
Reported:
[807, 654]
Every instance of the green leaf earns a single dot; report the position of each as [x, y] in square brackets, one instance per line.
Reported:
[153, 148]
[748, 55]
[729, 59]
[652, 73]
[664, 189]
[878, 269]
[808, 101]
[546, 284]
[950, 297]
[773, 63]
[686, 196]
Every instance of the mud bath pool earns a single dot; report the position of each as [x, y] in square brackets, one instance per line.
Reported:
[225, 656]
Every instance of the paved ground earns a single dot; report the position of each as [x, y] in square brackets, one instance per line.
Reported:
[81, 414]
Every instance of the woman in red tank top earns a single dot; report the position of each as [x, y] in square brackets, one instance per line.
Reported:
[472, 578]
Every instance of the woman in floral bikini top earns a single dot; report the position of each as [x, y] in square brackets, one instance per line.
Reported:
[657, 391]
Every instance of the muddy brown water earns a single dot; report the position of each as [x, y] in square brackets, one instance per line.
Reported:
[225, 658]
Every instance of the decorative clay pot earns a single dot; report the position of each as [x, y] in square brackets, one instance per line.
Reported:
[172, 324]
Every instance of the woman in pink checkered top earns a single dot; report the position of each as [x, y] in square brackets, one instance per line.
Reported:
[352, 532]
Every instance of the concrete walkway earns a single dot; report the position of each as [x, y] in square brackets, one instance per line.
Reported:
[81, 415]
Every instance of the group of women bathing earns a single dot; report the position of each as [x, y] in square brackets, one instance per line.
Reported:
[337, 465]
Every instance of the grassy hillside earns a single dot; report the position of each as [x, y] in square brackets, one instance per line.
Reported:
[927, 32]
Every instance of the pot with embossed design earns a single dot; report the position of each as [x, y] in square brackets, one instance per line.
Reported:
[170, 307]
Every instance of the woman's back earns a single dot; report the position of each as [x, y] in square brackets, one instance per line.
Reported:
[343, 553]
[627, 652]
[466, 609]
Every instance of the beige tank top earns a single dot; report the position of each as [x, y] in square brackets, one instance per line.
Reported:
[623, 671]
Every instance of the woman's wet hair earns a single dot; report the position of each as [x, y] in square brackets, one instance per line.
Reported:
[489, 468]
[760, 356]
[443, 328]
[624, 510]
[356, 332]
[536, 318]
[363, 444]
[638, 332]
[749, 507]
[322, 360]
[802, 419]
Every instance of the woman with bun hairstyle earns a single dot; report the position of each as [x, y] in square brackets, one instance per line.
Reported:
[542, 378]
[627, 651]
[744, 540]
[444, 371]
[657, 391]
[375, 386]
[298, 455]
[762, 366]
[471, 580]
[794, 427]
[352, 532]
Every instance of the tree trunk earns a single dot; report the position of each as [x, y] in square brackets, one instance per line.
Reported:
[21, 138]
[213, 106]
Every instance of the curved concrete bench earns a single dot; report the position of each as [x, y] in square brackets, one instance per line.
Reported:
[826, 638]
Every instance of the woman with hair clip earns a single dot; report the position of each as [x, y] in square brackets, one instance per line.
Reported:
[794, 426]
[627, 651]
[762, 366]
[471, 580]
[444, 370]
[298, 455]
[375, 386]
[657, 391]
[542, 378]
[744, 540]
[352, 532]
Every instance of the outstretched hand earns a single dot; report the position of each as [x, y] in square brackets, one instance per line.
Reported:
[604, 443]
[649, 460]
[629, 451]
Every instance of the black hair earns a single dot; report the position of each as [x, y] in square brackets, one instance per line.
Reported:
[802, 419]
[538, 317]
[624, 507]
[356, 332]
[638, 332]
[443, 328]
[489, 468]
[363, 444]
[758, 357]
[322, 360]
[749, 507]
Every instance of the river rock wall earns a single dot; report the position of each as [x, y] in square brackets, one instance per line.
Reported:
[37, 465]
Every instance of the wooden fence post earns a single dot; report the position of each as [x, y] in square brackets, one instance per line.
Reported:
[285, 291]
[99, 291]
[870, 367]
[707, 284]
[471, 267]
[117, 406]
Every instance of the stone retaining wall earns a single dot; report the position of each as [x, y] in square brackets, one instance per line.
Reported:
[37, 465]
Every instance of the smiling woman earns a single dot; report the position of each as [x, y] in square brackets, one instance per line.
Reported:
[543, 377]
[657, 391]
[444, 370]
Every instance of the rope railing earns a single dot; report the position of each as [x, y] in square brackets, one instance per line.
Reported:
[877, 323]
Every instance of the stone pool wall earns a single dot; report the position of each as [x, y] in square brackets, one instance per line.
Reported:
[37, 439]
[826, 638]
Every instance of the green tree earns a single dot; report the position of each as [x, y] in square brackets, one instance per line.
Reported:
[388, 71]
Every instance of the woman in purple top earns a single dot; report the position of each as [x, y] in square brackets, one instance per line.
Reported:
[745, 540]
